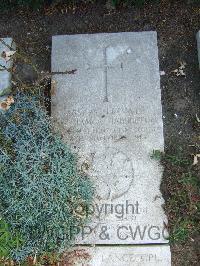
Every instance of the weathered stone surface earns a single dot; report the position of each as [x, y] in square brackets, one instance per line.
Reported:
[5, 76]
[120, 256]
[198, 45]
[109, 111]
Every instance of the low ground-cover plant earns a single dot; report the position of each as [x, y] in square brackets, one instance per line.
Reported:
[40, 185]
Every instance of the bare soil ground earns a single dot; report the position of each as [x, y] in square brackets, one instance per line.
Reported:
[176, 24]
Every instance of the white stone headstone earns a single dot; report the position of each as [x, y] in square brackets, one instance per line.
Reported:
[110, 112]
[198, 46]
[5, 65]
[106, 100]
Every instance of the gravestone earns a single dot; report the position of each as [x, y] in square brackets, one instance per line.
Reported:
[198, 45]
[5, 65]
[106, 100]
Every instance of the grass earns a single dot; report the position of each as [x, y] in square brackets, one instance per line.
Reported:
[156, 155]
[181, 189]
[7, 241]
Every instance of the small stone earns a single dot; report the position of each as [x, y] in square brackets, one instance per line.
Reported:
[162, 73]
[176, 115]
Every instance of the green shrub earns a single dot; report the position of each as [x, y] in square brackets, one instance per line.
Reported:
[40, 186]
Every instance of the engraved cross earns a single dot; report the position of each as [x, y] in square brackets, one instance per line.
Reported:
[105, 67]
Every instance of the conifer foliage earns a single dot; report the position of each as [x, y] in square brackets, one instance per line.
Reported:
[40, 185]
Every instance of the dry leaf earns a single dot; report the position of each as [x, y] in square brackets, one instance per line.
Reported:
[35, 260]
[182, 65]
[10, 100]
[5, 105]
[179, 71]
[53, 87]
[175, 71]
[198, 120]
[7, 55]
[196, 156]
